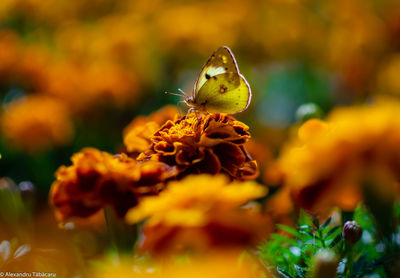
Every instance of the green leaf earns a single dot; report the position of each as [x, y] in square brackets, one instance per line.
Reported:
[317, 238]
[283, 273]
[305, 218]
[326, 223]
[315, 221]
[335, 241]
[300, 271]
[284, 239]
[307, 234]
[331, 231]
[306, 227]
[288, 229]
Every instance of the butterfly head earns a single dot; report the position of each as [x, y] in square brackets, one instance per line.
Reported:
[190, 101]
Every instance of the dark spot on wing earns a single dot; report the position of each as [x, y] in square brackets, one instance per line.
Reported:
[214, 77]
[208, 76]
[223, 89]
[203, 103]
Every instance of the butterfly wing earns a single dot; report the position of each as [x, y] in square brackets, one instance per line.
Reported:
[221, 61]
[228, 92]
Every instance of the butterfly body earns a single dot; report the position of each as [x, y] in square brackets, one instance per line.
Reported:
[220, 88]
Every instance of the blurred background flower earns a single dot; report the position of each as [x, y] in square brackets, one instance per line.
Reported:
[331, 162]
[37, 123]
[201, 213]
[218, 264]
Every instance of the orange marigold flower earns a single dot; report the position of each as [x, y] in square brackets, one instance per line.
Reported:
[137, 135]
[97, 179]
[33, 67]
[216, 265]
[9, 52]
[330, 162]
[199, 143]
[79, 85]
[200, 212]
[37, 123]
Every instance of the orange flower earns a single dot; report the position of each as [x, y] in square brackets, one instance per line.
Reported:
[137, 135]
[83, 86]
[217, 18]
[37, 123]
[32, 68]
[216, 265]
[199, 143]
[387, 78]
[330, 162]
[79, 83]
[97, 179]
[9, 50]
[199, 213]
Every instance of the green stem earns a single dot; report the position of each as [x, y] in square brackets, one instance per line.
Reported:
[321, 238]
[349, 256]
[320, 235]
[122, 235]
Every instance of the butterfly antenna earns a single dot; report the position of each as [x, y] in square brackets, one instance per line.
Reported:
[174, 94]
[183, 93]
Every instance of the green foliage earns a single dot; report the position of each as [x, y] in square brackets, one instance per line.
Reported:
[291, 250]
[15, 211]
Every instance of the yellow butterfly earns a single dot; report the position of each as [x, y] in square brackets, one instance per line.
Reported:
[220, 88]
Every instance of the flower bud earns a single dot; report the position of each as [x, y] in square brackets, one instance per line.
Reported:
[324, 264]
[352, 231]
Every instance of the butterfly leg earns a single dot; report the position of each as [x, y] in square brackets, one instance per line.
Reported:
[183, 108]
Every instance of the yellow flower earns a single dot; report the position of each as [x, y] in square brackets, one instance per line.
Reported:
[199, 143]
[216, 265]
[97, 179]
[37, 123]
[200, 212]
[329, 162]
